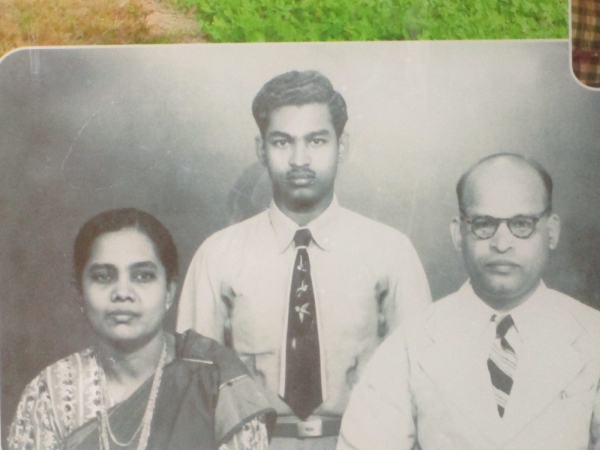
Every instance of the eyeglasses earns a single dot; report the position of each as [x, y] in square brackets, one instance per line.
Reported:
[484, 227]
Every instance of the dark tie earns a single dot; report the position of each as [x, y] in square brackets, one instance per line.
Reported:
[502, 364]
[303, 363]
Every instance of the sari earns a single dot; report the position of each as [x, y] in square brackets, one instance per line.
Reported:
[206, 400]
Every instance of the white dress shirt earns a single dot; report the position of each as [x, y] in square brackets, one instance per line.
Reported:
[366, 276]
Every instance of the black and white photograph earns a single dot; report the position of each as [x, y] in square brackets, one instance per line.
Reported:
[388, 245]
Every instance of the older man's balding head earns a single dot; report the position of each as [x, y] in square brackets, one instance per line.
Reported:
[522, 167]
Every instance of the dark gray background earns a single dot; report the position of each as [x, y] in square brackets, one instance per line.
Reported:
[168, 129]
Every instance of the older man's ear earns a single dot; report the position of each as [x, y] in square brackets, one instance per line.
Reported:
[456, 233]
[553, 231]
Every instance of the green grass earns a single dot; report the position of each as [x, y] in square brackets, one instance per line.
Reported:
[350, 20]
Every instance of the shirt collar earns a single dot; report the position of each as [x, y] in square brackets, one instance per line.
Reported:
[320, 228]
[524, 316]
[476, 309]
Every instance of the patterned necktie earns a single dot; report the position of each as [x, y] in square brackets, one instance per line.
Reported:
[303, 363]
[502, 364]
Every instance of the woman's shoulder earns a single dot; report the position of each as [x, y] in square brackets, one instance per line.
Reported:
[193, 347]
[240, 399]
[67, 367]
[80, 359]
[53, 398]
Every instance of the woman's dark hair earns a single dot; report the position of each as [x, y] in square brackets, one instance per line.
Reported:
[119, 219]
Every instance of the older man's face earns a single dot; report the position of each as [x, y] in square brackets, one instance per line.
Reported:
[505, 269]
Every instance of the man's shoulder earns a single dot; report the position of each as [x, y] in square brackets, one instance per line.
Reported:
[239, 232]
[414, 332]
[441, 309]
[437, 318]
[368, 227]
[562, 303]
[445, 306]
[586, 316]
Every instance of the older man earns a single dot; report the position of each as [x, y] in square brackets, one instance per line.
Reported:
[504, 362]
[305, 291]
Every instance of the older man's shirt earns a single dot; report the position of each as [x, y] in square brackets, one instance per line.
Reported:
[367, 277]
[428, 385]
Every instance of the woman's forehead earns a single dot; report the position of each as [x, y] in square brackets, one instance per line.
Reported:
[123, 247]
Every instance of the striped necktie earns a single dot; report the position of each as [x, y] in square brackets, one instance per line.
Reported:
[502, 363]
[303, 362]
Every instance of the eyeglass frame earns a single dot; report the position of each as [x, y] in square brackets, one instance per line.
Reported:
[498, 221]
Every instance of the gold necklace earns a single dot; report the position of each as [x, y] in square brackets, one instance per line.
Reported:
[104, 424]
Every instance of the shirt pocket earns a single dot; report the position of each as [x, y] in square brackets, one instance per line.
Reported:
[576, 401]
[257, 315]
[578, 389]
[572, 411]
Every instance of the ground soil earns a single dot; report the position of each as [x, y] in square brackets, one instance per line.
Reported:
[94, 22]
[163, 19]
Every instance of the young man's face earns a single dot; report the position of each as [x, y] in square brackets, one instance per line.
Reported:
[301, 152]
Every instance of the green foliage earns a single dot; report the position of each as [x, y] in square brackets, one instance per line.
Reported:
[351, 20]
[491, 19]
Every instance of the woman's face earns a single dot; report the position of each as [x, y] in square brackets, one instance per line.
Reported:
[125, 288]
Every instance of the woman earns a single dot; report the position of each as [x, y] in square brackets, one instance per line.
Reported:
[138, 387]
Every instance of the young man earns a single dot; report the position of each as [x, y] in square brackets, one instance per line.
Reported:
[305, 291]
[504, 362]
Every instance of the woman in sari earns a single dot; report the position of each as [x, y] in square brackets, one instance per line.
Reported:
[138, 387]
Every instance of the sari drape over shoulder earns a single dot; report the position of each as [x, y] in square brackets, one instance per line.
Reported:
[205, 397]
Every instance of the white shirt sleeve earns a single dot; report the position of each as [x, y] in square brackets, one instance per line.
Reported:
[380, 413]
[200, 305]
[410, 292]
[594, 443]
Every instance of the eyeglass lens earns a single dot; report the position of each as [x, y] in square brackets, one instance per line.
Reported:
[520, 226]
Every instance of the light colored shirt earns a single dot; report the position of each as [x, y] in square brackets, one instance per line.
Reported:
[484, 320]
[428, 385]
[366, 277]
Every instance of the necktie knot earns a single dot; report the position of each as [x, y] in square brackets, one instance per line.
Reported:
[302, 237]
[503, 326]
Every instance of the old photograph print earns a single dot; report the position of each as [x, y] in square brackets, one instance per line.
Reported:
[169, 129]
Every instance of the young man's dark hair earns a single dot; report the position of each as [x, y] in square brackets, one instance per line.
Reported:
[296, 89]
